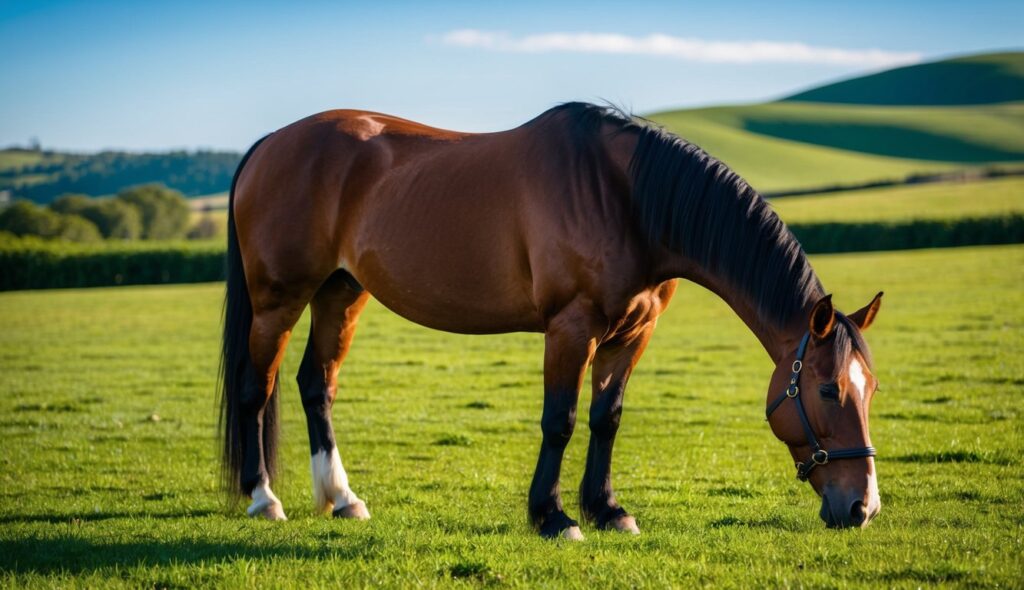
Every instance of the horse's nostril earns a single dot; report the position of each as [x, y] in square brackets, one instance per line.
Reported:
[858, 514]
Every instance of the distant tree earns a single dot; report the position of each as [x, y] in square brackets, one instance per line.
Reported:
[56, 173]
[164, 211]
[114, 218]
[78, 229]
[28, 219]
[71, 203]
[206, 228]
[25, 218]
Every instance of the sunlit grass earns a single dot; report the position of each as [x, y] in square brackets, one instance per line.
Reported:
[108, 469]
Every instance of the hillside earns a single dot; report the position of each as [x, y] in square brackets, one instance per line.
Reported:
[947, 201]
[921, 119]
[976, 79]
[42, 176]
[793, 144]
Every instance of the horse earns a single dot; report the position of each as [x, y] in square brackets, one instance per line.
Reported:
[578, 225]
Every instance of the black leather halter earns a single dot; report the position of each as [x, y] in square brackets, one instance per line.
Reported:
[819, 456]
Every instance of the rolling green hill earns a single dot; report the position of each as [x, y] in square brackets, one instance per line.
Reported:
[794, 144]
[42, 176]
[923, 119]
[974, 79]
[997, 197]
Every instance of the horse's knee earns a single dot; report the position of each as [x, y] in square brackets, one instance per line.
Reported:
[315, 393]
[605, 415]
[254, 395]
[558, 424]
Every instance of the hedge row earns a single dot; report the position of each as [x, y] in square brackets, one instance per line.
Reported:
[27, 263]
[823, 238]
[32, 263]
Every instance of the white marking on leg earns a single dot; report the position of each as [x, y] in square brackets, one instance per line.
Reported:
[265, 503]
[572, 533]
[857, 378]
[330, 485]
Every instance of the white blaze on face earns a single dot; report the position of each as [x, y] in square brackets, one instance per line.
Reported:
[874, 501]
[857, 378]
[330, 482]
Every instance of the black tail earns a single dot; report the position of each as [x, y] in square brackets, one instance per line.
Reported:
[235, 362]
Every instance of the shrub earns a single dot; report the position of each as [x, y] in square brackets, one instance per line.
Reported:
[206, 228]
[24, 218]
[114, 218]
[164, 211]
[71, 204]
[78, 229]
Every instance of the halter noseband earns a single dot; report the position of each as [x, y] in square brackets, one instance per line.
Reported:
[819, 456]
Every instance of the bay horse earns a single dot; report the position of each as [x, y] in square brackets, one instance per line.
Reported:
[576, 224]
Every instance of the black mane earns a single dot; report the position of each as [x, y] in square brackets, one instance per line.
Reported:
[696, 206]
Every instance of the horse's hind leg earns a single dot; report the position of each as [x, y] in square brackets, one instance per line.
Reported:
[271, 328]
[613, 363]
[335, 310]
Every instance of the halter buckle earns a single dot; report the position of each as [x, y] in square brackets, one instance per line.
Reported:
[820, 457]
[798, 365]
[793, 391]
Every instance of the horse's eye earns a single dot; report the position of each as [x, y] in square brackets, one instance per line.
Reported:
[829, 391]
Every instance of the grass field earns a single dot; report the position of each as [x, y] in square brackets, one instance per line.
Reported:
[107, 477]
[946, 200]
[965, 134]
[774, 164]
[782, 146]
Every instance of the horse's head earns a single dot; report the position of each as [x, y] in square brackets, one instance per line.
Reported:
[818, 405]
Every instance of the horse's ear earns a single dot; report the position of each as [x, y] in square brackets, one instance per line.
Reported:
[864, 316]
[823, 318]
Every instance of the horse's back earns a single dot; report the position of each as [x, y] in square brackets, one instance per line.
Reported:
[413, 212]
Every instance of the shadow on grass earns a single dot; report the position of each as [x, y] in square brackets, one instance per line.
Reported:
[77, 556]
[96, 517]
[955, 457]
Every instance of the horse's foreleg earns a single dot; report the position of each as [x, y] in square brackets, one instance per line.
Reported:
[267, 340]
[335, 310]
[613, 363]
[569, 344]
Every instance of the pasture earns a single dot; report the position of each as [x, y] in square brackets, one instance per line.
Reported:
[940, 201]
[108, 469]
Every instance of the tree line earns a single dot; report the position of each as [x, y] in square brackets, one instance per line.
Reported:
[192, 173]
[144, 212]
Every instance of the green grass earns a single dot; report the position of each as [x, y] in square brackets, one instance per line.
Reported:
[772, 164]
[15, 158]
[975, 79]
[108, 472]
[967, 134]
[948, 200]
[784, 146]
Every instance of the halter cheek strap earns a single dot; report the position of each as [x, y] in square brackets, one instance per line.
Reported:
[819, 456]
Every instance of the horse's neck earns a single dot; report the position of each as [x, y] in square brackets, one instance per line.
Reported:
[778, 341]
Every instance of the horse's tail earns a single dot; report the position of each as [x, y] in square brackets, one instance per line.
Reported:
[235, 361]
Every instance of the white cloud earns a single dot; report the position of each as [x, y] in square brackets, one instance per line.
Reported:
[684, 48]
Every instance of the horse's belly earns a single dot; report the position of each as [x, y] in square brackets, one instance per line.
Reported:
[470, 293]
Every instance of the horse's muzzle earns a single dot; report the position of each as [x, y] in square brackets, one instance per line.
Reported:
[842, 511]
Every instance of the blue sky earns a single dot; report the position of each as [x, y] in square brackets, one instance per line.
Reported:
[161, 75]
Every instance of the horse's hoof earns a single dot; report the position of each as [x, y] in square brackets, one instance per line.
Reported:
[572, 533]
[266, 509]
[355, 511]
[626, 524]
